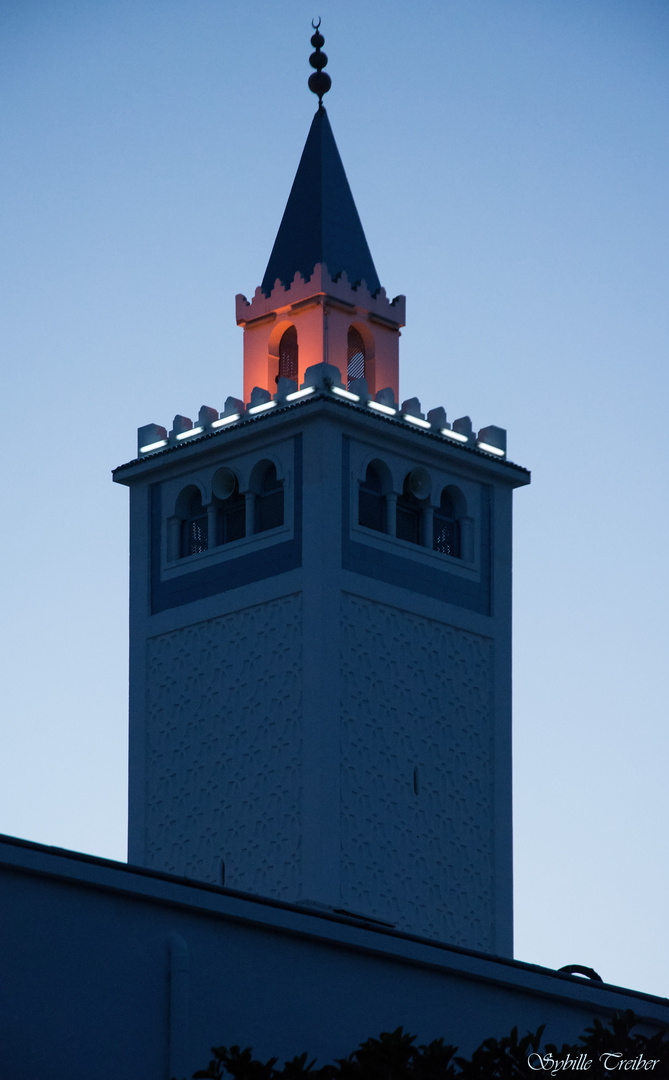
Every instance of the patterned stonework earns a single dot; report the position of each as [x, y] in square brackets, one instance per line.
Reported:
[224, 747]
[417, 695]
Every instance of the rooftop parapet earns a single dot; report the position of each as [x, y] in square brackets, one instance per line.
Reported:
[322, 380]
[320, 283]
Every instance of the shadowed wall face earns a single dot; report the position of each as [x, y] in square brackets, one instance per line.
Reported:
[320, 708]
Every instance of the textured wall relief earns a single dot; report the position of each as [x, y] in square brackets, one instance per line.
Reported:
[417, 773]
[224, 739]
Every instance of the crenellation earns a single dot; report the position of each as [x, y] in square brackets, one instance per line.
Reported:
[207, 416]
[463, 426]
[180, 425]
[322, 378]
[282, 298]
[151, 437]
[437, 417]
[233, 405]
[492, 439]
[284, 388]
[361, 388]
[412, 408]
[259, 396]
[386, 397]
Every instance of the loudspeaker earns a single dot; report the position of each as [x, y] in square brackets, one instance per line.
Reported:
[224, 483]
[420, 484]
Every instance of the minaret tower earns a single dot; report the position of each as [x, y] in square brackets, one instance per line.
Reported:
[320, 609]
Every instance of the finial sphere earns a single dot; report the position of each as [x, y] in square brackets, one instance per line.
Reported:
[318, 60]
[319, 83]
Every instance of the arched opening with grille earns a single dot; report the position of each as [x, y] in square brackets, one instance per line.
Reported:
[269, 500]
[194, 527]
[409, 515]
[231, 514]
[447, 537]
[371, 501]
[355, 356]
[289, 355]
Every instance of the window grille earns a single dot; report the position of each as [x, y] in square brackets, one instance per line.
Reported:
[408, 516]
[446, 528]
[371, 502]
[194, 529]
[355, 360]
[408, 523]
[269, 503]
[232, 518]
[288, 354]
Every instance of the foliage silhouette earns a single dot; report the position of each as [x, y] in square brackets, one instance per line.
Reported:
[619, 1039]
[394, 1056]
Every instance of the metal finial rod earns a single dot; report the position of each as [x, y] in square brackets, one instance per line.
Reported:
[319, 81]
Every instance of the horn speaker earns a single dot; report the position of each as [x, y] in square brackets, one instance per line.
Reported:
[419, 483]
[224, 483]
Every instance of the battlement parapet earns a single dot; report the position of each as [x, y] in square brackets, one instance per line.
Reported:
[320, 283]
[322, 380]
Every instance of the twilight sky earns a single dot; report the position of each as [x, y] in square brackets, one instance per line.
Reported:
[510, 163]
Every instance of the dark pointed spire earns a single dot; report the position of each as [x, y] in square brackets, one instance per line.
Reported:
[320, 223]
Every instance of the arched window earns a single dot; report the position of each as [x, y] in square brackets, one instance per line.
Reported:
[371, 501]
[288, 354]
[447, 537]
[269, 501]
[194, 531]
[409, 515]
[231, 515]
[355, 367]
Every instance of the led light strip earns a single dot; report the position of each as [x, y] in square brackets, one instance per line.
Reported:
[417, 420]
[456, 436]
[296, 394]
[225, 420]
[490, 449]
[378, 407]
[190, 433]
[153, 446]
[340, 392]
